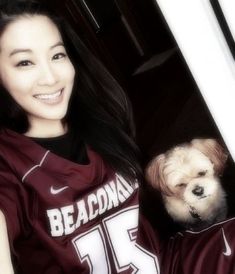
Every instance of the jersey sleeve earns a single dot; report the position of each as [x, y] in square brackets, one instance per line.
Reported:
[12, 202]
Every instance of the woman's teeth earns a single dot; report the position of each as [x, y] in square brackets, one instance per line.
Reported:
[49, 96]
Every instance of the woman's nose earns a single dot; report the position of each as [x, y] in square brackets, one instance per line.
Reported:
[47, 75]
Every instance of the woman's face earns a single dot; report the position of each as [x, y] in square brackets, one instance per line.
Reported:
[35, 69]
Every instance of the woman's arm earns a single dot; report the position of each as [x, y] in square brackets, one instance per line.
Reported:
[5, 257]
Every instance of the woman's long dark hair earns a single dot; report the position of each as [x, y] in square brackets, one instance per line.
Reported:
[99, 110]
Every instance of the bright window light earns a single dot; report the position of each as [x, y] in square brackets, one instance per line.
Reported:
[228, 8]
[202, 42]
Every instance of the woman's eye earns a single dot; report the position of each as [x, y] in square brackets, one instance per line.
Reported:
[59, 56]
[24, 63]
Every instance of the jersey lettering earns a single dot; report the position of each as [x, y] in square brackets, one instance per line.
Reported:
[67, 219]
[55, 218]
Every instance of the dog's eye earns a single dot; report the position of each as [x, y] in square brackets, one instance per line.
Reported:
[181, 185]
[202, 173]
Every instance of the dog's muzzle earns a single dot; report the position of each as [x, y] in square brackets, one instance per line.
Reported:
[198, 191]
[194, 213]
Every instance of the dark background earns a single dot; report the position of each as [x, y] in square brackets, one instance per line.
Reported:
[133, 41]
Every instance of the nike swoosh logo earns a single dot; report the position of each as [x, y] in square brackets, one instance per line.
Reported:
[228, 250]
[56, 191]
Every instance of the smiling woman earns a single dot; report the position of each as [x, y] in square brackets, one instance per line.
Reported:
[69, 168]
[36, 71]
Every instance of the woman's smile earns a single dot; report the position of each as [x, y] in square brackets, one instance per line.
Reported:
[50, 98]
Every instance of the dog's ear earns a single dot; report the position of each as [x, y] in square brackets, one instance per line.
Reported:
[214, 151]
[154, 174]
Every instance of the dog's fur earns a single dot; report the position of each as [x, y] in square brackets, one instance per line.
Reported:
[188, 179]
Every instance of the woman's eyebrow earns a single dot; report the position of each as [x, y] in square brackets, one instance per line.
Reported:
[60, 43]
[15, 51]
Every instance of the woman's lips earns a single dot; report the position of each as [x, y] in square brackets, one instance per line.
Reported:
[50, 98]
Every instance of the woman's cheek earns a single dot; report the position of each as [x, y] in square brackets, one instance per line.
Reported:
[69, 70]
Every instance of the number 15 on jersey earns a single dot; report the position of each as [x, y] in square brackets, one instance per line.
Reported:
[119, 230]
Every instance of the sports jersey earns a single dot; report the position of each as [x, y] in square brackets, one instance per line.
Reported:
[65, 217]
[211, 250]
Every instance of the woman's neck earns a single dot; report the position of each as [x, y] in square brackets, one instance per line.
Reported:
[47, 129]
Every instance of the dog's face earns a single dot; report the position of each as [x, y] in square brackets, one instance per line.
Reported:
[187, 177]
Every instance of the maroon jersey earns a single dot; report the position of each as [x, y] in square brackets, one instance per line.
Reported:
[211, 250]
[64, 217]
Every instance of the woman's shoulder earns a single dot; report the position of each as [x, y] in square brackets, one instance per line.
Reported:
[6, 152]
[10, 146]
[14, 144]
[8, 140]
[18, 152]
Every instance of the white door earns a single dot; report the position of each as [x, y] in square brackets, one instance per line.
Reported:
[205, 33]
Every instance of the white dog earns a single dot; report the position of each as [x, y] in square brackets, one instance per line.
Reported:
[188, 178]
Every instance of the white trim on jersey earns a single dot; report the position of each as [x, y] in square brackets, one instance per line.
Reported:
[208, 228]
[34, 167]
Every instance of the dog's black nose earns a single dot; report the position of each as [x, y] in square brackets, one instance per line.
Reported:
[198, 190]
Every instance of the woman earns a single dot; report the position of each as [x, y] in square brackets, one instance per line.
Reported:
[69, 168]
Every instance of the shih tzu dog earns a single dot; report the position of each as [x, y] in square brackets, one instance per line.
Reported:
[188, 179]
